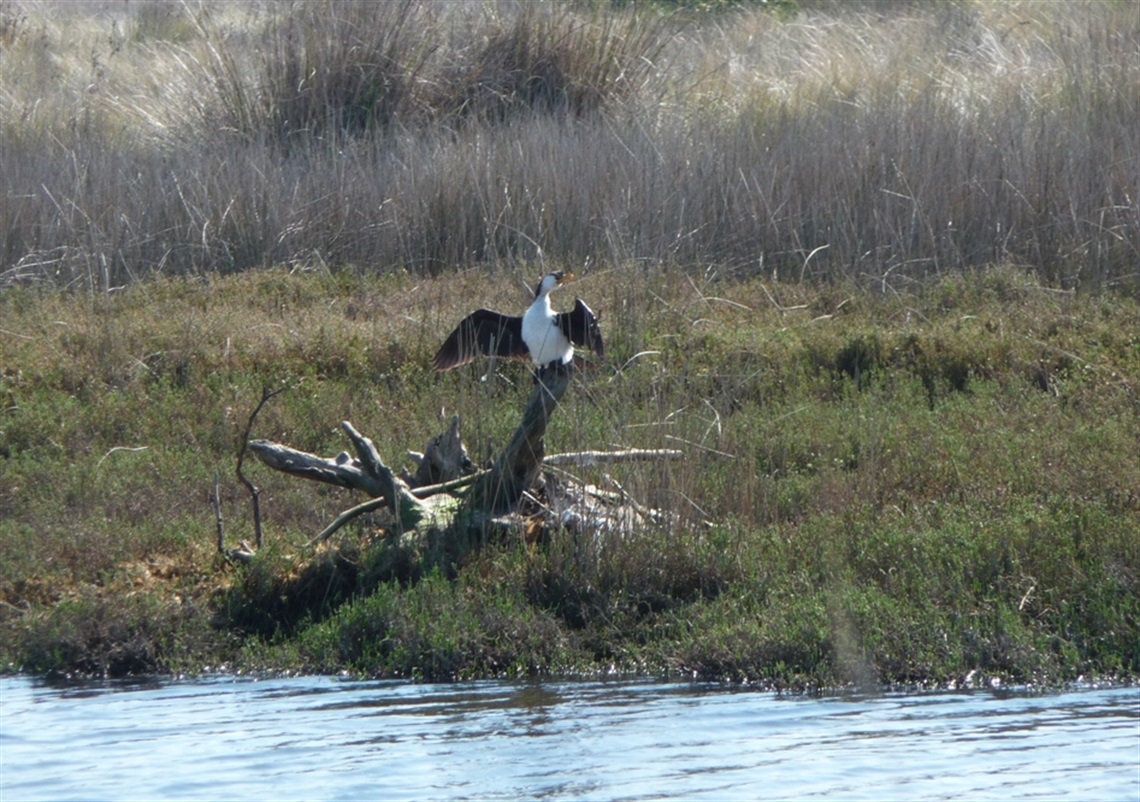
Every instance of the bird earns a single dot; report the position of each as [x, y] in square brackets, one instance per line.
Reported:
[543, 335]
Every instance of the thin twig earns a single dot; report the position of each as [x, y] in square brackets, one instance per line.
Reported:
[346, 516]
[701, 447]
[803, 268]
[218, 514]
[443, 487]
[638, 355]
[254, 491]
[133, 449]
[1028, 594]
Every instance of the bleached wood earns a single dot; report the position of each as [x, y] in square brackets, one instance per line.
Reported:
[587, 458]
[342, 470]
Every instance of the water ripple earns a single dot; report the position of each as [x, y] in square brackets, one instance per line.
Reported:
[321, 738]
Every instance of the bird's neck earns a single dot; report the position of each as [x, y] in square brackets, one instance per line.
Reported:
[542, 305]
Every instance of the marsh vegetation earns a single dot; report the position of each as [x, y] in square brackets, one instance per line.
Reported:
[872, 265]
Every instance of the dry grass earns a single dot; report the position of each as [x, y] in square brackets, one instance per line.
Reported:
[867, 141]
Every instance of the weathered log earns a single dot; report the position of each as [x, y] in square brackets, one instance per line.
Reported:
[445, 458]
[519, 464]
[341, 470]
[449, 526]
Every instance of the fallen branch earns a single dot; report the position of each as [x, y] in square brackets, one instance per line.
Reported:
[587, 458]
[341, 470]
[382, 501]
[116, 449]
[701, 447]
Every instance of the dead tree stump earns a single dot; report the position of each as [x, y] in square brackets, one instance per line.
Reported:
[495, 492]
[434, 521]
[518, 466]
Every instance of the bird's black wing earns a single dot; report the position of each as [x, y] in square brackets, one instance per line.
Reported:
[580, 325]
[482, 332]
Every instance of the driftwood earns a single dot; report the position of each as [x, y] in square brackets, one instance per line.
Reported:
[432, 501]
[444, 458]
[607, 457]
[341, 470]
[382, 501]
[520, 463]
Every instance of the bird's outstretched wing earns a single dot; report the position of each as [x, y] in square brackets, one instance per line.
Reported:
[580, 325]
[482, 332]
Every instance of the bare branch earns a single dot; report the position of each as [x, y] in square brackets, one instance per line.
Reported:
[254, 491]
[382, 501]
[586, 458]
[218, 515]
[342, 470]
[133, 450]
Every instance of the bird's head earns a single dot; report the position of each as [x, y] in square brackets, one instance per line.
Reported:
[552, 281]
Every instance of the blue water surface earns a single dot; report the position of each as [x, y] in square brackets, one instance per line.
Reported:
[326, 738]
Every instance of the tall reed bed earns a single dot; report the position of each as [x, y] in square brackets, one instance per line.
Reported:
[844, 141]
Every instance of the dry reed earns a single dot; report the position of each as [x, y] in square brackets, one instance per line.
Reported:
[872, 141]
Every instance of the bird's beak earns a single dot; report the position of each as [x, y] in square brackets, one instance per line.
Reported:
[564, 278]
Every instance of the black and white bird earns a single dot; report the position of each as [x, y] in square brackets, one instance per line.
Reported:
[541, 334]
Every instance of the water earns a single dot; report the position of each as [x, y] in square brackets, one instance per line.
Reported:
[322, 738]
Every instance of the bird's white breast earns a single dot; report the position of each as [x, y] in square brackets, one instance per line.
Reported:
[543, 338]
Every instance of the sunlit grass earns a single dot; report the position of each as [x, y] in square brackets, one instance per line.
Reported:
[870, 266]
[902, 486]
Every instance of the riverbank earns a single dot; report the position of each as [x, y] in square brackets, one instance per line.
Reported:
[870, 265]
[910, 484]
